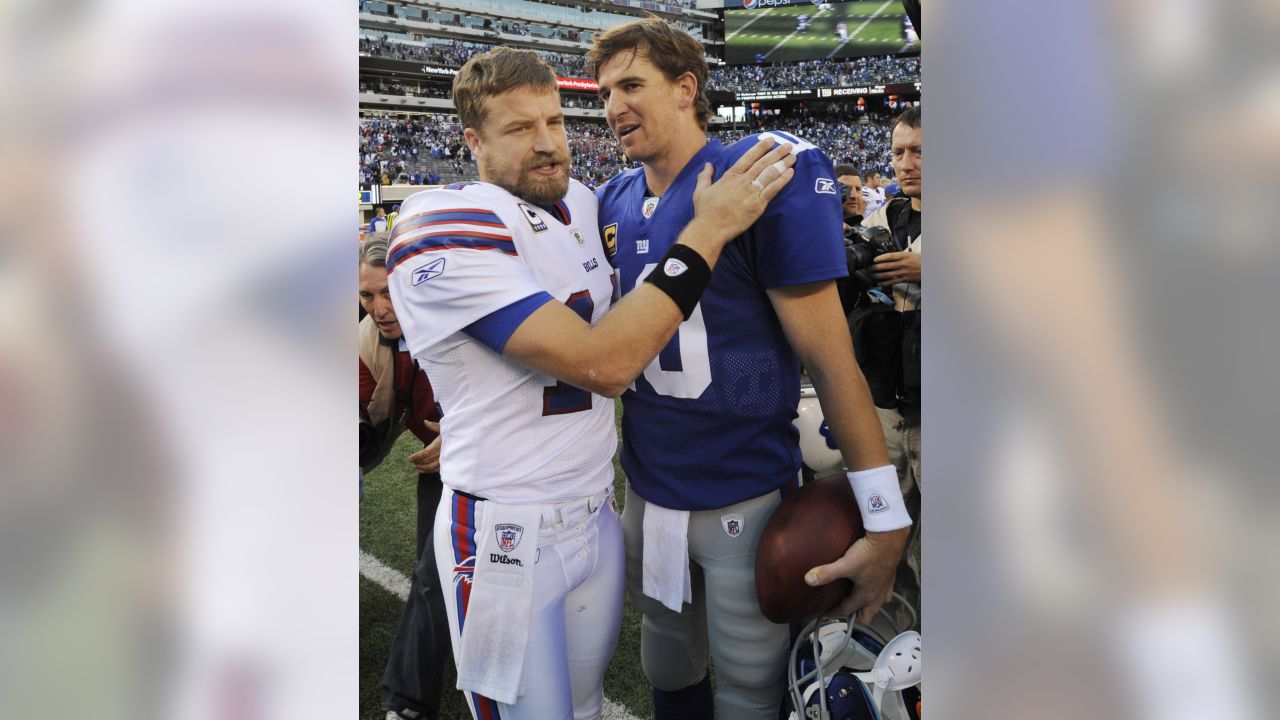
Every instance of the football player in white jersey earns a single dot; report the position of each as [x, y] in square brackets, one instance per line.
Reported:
[501, 288]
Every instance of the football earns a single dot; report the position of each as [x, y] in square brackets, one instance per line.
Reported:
[813, 526]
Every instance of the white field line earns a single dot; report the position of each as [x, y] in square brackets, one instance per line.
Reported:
[388, 578]
[785, 39]
[854, 34]
[758, 15]
[392, 581]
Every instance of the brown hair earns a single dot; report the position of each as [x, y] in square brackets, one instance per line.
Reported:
[909, 117]
[670, 49]
[493, 73]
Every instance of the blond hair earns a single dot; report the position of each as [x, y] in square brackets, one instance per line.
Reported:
[493, 73]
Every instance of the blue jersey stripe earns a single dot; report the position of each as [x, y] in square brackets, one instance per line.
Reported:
[445, 241]
[475, 217]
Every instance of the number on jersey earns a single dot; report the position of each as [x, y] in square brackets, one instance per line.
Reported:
[563, 398]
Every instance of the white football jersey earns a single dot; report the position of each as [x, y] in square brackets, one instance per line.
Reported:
[467, 264]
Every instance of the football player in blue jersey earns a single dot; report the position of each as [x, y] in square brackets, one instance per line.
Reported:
[708, 439]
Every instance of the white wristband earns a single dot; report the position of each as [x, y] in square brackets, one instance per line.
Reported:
[879, 499]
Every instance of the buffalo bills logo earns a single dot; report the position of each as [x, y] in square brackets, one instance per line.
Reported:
[464, 571]
[876, 503]
[509, 535]
[732, 524]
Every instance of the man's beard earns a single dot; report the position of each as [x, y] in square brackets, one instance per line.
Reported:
[535, 189]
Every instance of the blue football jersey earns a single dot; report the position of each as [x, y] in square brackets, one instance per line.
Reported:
[708, 424]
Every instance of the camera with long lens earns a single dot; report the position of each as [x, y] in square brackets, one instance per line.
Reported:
[862, 246]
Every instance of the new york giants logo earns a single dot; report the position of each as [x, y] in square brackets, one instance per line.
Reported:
[463, 571]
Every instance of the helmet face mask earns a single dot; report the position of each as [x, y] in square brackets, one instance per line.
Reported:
[858, 672]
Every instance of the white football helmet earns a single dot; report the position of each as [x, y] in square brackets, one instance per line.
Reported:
[858, 671]
[817, 446]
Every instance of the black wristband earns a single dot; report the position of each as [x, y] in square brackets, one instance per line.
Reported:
[682, 275]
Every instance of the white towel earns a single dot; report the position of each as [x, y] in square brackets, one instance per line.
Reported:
[665, 557]
[495, 632]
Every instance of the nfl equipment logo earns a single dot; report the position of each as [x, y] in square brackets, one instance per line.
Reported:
[732, 524]
[876, 503]
[650, 204]
[674, 268]
[509, 535]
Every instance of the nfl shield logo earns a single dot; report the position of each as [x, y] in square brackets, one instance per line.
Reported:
[650, 204]
[508, 535]
[876, 503]
[732, 524]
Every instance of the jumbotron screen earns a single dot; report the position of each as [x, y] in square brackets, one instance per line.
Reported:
[785, 30]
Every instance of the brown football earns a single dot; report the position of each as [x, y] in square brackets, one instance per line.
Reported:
[813, 526]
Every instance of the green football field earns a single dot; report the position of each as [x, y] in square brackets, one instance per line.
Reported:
[874, 28]
[387, 528]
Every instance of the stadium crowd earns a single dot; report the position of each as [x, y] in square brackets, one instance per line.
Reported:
[456, 52]
[739, 78]
[863, 144]
[816, 73]
[401, 150]
[427, 90]
[442, 90]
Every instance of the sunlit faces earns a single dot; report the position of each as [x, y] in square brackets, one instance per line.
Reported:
[642, 107]
[522, 146]
[376, 300]
[905, 152]
[855, 204]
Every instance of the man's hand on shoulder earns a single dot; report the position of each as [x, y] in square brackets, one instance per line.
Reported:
[871, 563]
[730, 205]
[897, 267]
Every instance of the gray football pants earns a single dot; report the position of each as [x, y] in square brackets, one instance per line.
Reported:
[750, 653]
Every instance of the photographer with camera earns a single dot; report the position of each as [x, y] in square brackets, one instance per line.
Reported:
[884, 256]
[851, 199]
[853, 206]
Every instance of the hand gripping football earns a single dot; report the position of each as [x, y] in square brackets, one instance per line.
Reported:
[813, 526]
